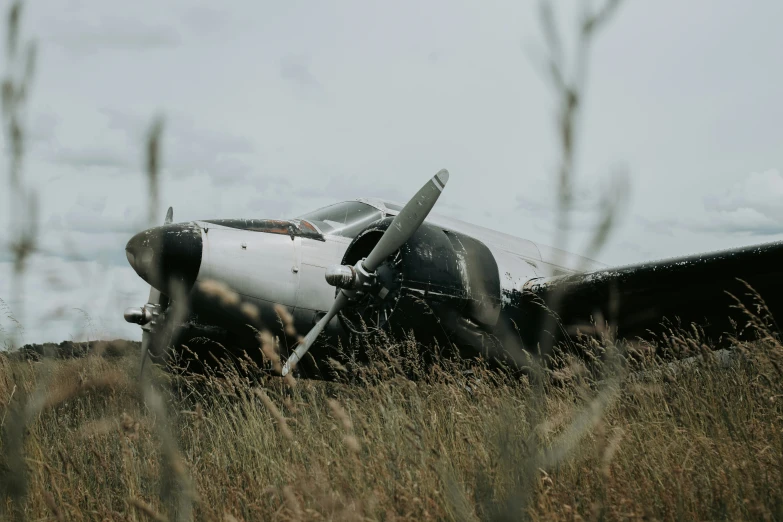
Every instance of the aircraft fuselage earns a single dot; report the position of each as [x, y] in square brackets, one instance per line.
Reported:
[283, 262]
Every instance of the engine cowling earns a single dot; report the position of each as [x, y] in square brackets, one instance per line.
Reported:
[436, 272]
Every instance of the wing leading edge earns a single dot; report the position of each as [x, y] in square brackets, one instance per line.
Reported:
[637, 298]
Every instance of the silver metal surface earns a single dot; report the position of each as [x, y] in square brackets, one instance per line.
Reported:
[340, 276]
[138, 315]
[314, 294]
[262, 270]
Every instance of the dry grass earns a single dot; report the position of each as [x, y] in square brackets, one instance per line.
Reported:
[701, 441]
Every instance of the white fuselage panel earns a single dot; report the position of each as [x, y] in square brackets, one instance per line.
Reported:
[254, 264]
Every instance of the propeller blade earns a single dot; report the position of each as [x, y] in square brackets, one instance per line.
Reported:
[146, 341]
[407, 221]
[340, 301]
[155, 298]
[146, 335]
[402, 227]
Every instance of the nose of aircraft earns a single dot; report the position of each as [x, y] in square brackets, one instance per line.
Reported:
[165, 254]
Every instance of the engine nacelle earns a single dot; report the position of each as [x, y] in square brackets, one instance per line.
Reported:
[437, 271]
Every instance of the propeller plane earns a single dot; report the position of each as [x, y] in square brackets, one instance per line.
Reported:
[367, 264]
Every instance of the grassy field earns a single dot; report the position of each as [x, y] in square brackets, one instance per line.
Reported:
[625, 437]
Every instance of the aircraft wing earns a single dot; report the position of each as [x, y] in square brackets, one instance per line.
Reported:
[636, 298]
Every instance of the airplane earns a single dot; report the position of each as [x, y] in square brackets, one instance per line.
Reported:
[359, 266]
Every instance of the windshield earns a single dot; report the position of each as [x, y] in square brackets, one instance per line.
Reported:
[345, 219]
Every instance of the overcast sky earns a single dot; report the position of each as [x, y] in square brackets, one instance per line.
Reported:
[275, 108]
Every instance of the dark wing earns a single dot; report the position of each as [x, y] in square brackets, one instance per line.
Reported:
[686, 290]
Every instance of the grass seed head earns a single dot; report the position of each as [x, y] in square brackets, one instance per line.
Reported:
[270, 406]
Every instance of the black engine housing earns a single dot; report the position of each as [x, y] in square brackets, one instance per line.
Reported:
[442, 285]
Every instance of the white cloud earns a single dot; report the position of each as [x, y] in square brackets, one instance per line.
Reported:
[296, 69]
[752, 203]
[746, 207]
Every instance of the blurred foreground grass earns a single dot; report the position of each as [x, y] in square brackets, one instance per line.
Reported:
[695, 441]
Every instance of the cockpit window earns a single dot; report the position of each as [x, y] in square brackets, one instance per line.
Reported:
[345, 219]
